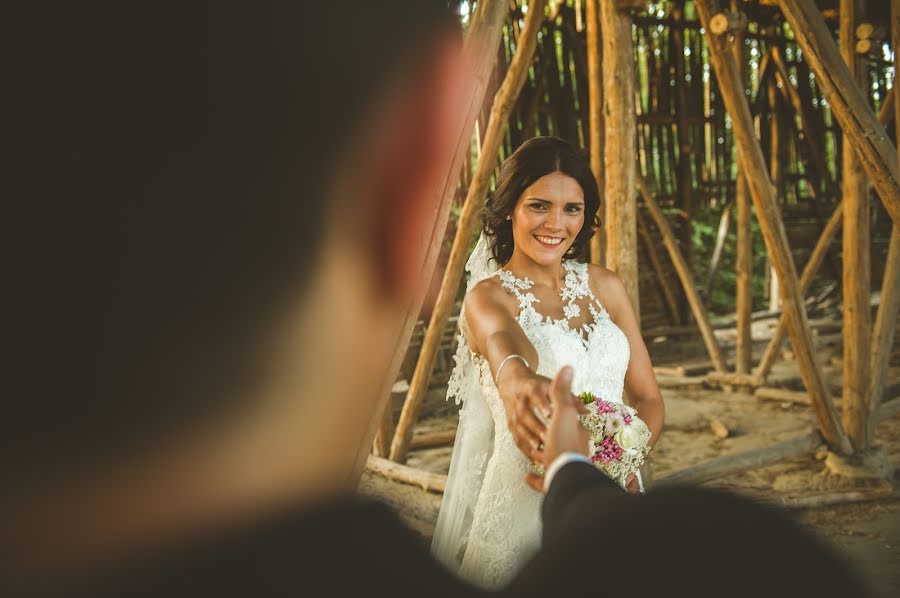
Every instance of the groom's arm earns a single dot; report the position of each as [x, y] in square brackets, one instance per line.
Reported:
[572, 484]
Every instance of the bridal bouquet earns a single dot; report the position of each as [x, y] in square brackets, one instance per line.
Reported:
[619, 438]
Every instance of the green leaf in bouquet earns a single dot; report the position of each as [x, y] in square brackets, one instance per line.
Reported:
[587, 398]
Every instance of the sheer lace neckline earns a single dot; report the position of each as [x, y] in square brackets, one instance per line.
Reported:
[576, 287]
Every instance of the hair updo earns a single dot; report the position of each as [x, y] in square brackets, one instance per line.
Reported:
[534, 159]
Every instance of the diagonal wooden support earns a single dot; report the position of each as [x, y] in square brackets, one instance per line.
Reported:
[684, 274]
[669, 295]
[848, 104]
[752, 162]
[481, 47]
[467, 226]
[809, 272]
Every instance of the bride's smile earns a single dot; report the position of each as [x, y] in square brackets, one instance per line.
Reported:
[548, 217]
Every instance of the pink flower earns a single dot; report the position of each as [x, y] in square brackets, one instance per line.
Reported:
[627, 417]
[609, 450]
[604, 406]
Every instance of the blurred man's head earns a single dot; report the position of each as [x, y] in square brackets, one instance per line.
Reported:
[213, 212]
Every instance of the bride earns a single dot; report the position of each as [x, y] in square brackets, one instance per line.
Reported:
[543, 309]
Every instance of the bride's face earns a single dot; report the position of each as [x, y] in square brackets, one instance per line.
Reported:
[548, 217]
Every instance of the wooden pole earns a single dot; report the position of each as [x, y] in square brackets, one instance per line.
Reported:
[468, 223]
[848, 104]
[684, 178]
[481, 47]
[738, 462]
[776, 171]
[595, 103]
[743, 359]
[428, 481]
[816, 258]
[687, 279]
[856, 277]
[889, 305]
[620, 166]
[751, 159]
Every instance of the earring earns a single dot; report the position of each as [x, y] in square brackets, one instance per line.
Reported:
[508, 217]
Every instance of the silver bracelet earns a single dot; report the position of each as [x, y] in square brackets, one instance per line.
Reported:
[505, 361]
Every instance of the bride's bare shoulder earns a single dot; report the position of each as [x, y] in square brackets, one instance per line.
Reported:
[488, 298]
[608, 287]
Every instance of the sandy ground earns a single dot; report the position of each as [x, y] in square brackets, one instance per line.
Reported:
[868, 533]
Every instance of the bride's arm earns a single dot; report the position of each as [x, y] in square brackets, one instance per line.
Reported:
[494, 333]
[641, 389]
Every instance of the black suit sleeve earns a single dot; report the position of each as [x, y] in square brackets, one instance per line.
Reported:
[574, 484]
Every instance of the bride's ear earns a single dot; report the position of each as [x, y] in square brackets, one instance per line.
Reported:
[412, 151]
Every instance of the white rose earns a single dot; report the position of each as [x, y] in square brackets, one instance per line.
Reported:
[628, 437]
[640, 426]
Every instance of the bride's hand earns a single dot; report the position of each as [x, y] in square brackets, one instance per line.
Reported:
[526, 400]
[632, 485]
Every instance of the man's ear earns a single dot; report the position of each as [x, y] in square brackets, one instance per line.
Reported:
[413, 151]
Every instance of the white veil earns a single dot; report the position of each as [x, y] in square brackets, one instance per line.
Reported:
[474, 437]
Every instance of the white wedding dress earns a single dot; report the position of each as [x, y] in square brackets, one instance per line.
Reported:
[489, 524]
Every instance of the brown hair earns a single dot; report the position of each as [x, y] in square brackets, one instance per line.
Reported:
[534, 159]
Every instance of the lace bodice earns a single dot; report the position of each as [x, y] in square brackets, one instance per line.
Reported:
[597, 350]
[506, 524]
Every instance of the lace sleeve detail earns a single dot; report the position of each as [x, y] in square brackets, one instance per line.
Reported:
[460, 377]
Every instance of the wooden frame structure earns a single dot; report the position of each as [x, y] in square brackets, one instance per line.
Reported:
[606, 116]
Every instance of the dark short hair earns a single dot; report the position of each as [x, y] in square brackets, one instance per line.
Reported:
[168, 200]
[534, 159]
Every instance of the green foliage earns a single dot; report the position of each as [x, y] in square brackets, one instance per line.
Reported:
[705, 228]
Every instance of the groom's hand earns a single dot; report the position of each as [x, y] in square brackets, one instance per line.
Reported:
[564, 434]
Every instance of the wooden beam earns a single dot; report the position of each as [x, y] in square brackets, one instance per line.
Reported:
[728, 22]
[769, 216]
[738, 462]
[433, 439]
[732, 379]
[481, 47]
[856, 293]
[773, 393]
[848, 104]
[428, 481]
[687, 279]
[595, 108]
[620, 166]
[382, 445]
[467, 225]
[743, 349]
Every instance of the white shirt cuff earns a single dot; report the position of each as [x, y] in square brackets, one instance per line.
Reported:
[562, 459]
